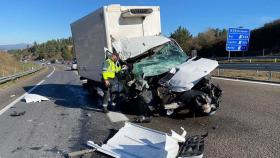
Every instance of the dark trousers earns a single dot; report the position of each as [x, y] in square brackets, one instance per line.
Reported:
[110, 93]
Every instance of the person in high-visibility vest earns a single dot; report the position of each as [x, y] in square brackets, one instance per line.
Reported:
[110, 68]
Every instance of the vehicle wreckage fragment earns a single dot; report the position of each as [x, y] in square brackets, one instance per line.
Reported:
[134, 141]
[34, 98]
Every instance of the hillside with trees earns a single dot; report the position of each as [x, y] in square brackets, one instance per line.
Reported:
[211, 43]
[52, 49]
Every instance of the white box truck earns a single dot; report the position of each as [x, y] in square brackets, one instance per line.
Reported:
[160, 73]
[108, 24]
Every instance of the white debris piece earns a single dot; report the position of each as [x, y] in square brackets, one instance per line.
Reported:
[34, 98]
[117, 117]
[134, 141]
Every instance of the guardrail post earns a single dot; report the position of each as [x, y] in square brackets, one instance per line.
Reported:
[275, 60]
[250, 60]
[269, 75]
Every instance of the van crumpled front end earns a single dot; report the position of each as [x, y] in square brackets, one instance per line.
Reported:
[166, 79]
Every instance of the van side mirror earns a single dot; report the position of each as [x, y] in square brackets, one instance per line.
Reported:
[107, 52]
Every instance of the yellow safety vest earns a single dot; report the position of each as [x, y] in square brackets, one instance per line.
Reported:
[110, 68]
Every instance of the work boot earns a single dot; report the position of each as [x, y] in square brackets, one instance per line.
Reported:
[113, 106]
[105, 110]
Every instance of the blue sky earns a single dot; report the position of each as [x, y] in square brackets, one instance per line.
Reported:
[26, 21]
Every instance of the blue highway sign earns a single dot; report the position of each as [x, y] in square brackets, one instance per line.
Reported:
[238, 39]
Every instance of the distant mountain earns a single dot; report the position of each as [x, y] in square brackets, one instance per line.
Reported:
[14, 46]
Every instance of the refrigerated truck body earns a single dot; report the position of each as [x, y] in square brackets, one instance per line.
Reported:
[108, 24]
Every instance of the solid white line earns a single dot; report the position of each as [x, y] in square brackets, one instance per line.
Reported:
[19, 98]
[238, 80]
[51, 72]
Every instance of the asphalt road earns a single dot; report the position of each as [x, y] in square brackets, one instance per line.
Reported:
[247, 124]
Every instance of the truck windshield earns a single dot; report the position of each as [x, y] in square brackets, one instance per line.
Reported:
[164, 58]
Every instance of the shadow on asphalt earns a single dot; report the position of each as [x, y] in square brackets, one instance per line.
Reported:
[76, 96]
[66, 95]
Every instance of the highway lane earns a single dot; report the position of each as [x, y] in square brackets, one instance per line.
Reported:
[247, 124]
[47, 129]
[10, 91]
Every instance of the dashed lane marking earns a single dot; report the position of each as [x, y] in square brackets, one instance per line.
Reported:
[51, 72]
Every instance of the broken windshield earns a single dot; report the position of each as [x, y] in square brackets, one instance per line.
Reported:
[165, 57]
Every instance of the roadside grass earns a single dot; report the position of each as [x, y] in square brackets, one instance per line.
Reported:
[247, 74]
[9, 65]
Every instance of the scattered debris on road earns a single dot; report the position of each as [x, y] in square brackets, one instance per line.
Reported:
[36, 148]
[142, 119]
[80, 153]
[64, 114]
[34, 98]
[13, 95]
[17, 149]
[133, 141]
[15, 114]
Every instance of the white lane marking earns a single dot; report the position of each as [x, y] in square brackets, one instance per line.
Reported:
[239, 80]
[19, 98]
[116, 117]
[51, 72]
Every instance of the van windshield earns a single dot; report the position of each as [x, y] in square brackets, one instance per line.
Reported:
[164, 58]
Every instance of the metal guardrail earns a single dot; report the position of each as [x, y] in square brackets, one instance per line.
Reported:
[269, 68]
[259, 67]
[252, 57]
[15, 76]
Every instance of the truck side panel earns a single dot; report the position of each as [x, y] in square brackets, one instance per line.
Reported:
[89, 37]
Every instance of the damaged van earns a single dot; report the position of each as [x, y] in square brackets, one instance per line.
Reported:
[160, 76]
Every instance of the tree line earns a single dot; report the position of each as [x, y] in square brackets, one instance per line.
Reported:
[212, 43]
[52, 49]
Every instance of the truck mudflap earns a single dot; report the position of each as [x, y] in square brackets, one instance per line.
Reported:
[134, 141]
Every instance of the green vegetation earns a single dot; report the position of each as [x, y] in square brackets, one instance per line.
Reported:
[212, 43]
[53, 49]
